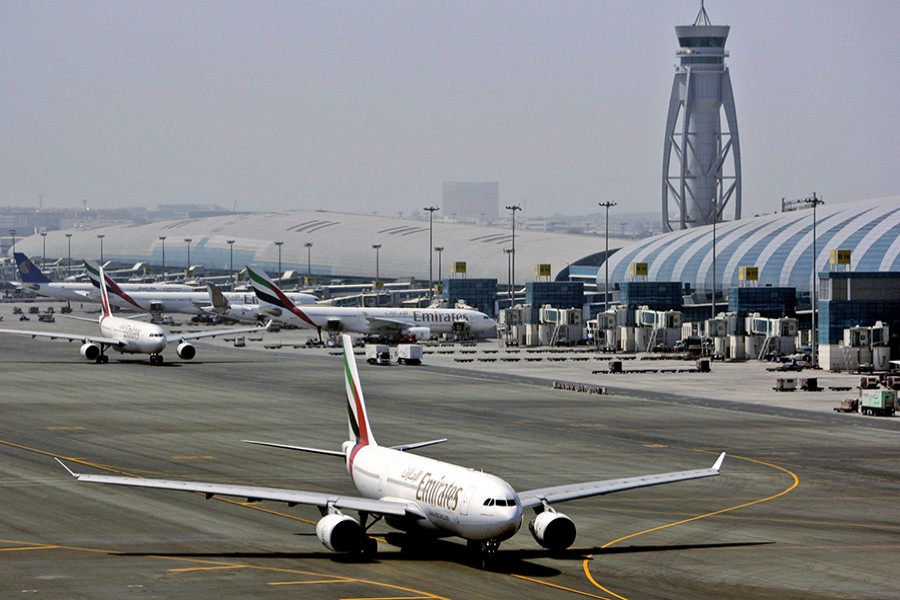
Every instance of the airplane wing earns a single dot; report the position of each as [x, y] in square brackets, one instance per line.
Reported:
[66, 336]
[380, 324]
[574, 491]
[218, 332]
[255, 493]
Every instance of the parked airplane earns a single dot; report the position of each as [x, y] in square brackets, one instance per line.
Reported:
[129, 336]
[185, 302]
[418, 322]
[37, 282]
[417, 494]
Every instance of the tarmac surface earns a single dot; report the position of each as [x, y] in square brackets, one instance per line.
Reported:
[806, 505]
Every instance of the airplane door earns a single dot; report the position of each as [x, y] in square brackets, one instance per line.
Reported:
[464, 505]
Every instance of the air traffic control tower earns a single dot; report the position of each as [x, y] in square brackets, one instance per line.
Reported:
[701, 172]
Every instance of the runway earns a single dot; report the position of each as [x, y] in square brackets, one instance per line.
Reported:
[805, 506]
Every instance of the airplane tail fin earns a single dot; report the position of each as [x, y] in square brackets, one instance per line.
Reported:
[104, 296]
[356, 404]
[219, 301]
[95, 274]
[28, 271]
[269, 293]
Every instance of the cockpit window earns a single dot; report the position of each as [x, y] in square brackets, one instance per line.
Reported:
[500, 502]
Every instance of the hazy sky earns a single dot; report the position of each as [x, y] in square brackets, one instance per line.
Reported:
[371, 105]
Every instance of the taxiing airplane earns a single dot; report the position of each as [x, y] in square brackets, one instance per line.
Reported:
[183, 302]
[420, 323]
[129, 336]
[37, 282]
[417, 494]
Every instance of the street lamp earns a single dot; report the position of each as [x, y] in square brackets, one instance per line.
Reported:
[308, 260]
[12, 232]
[162, 238]
[377, 252]
[607, 206]
[440, 251]
[509, 254]
[815, 296]
[100, 236]
[431, 210]
[44, 253]
[69, 259]
[231, 260]
[280, 272]
[188, 242]
[512, 270]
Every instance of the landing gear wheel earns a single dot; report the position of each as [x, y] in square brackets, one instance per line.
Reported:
[369, 548]
[486, 551]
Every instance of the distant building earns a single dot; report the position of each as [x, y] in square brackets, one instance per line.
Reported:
[467, 200]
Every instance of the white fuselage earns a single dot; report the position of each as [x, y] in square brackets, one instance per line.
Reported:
[79, 292]
[191, 303]
[139, 338]
[451, 499]
[381, 320]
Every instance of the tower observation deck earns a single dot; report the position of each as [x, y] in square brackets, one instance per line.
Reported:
[701, 174]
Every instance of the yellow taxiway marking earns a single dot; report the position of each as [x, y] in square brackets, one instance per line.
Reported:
[65, 428]
[560, 587]
[215, 568]
[194, 458]
[22, 548]
[794, 484]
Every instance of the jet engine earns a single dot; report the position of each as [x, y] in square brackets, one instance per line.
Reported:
[420, 333]
[90, 351]
[552, 530]
[341, 533]
[186, 351]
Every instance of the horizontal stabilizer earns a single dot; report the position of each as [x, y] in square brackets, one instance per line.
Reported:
[405, 447]
[298, 448]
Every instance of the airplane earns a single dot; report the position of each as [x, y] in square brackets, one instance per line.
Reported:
[156, 301]
[129, 336]
[420, 323]
[416, 494]
[37, 282]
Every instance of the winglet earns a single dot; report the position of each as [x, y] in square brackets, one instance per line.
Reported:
[718, 463]
[66, 467]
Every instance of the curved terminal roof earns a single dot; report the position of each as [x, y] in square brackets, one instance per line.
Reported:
[341, 245]
[779, 245]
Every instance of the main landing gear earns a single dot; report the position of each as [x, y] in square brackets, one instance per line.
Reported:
[156, 359]
[102, 359]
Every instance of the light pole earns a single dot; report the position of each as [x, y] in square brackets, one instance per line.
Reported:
[231, 260]
[509, 293]
[440, 251]
[308, 260]
[815, 296]
[188, 267]
[715, 220]
[44, 253]
[280, 272]
[162, 238]
[377, 252]
[431, 210]
[512, 269]
[69, 256]
[100, 236]
[12, 232]
[607, 206]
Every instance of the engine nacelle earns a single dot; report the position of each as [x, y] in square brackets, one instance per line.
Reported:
[90, 351]
[552, 530]
[421, 334]
[340, 533]
[186, 351]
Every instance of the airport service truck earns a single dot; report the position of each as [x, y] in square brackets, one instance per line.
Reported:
[879, 403]
[409, 354]
[378, 354]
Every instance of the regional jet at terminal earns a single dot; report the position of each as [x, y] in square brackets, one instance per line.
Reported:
[417, 494]
[129, 336]
[420, 323]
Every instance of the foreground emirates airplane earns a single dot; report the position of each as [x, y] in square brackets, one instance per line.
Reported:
[35, 281]
[417, 494]
[183, 302]
[418, 322]
[129, 336]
